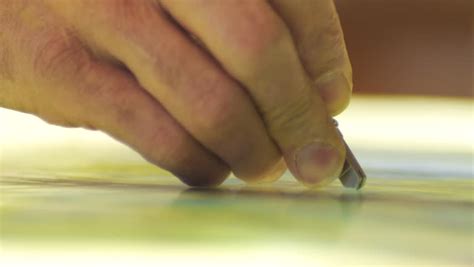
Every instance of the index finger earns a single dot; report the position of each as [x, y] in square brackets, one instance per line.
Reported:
[254, 45]
[318, 36]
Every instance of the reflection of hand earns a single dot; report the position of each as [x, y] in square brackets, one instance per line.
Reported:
[238, 95]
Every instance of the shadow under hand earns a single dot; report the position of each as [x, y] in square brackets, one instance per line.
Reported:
[256, 213]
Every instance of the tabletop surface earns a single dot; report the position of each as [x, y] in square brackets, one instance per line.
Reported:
[84, 190]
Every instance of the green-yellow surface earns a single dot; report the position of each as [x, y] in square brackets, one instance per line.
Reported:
[85, 189]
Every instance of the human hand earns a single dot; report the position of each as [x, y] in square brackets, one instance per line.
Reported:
[255, 82]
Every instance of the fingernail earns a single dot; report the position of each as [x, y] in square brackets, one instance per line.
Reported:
[318, 163]
[335, 89]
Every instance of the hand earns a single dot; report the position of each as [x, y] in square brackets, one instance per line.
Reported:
[199, 87]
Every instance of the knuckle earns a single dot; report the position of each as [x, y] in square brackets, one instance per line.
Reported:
[216, 104]
[323, 48]
[60, 54]
[288, 117]
[124, 16]
[126, 11]
[257, 33]
[333, 31]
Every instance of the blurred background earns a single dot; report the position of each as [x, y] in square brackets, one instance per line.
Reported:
[421, 47]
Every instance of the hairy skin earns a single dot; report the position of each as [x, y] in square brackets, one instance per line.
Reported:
[251, 92]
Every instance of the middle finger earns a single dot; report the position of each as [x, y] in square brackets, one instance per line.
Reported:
[189, 84]
[254, 44]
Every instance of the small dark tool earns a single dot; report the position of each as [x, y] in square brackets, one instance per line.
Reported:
[352, 175]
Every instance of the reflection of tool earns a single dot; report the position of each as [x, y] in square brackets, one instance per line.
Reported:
[352, 174]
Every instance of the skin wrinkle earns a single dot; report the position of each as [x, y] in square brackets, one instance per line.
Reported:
[6, 62]
[6, 68]
[313, 38]
[53, 53]
[316, 37]
[8, 24]
[6, 74]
